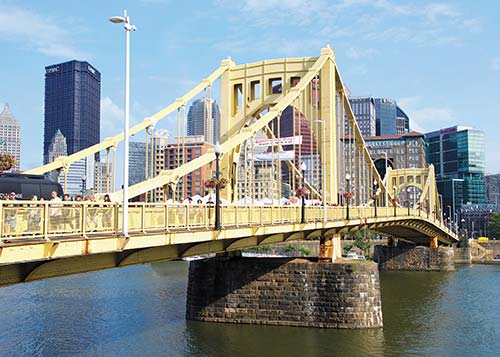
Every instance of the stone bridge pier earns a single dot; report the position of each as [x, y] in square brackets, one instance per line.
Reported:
[286, 291]
[398, 255]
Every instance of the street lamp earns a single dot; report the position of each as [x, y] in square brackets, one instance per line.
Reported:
[375, 196]
[394, 201]
[450, 218]
[303, 209]
[322, 122]
[348, 193]
[217, 151]
[387, 182]
[125, 19]
[84, 179]
[440, 207]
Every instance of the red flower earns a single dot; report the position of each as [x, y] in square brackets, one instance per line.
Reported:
[348, 194]
[301, 191]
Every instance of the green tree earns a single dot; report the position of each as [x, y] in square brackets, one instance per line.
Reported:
[362, 239]
[347, 247]
[495, 224]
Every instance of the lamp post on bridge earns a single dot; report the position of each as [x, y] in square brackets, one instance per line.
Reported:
[84, 180]
[347, 194]
[408, 199]
[217, 187]
[395, 201]
[323, 190]
[125, 19]
[303, 168]
[375, 196]
[450, 220]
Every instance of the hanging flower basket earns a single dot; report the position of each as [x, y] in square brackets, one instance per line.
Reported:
[6, 162]
[395, 200]
[222, 183]
[213, 182]
[301, 191]
[348, 195]
[374, 197]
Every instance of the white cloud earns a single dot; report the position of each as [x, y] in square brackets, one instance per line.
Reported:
[424, 119]
[111, 117]
[364, 53]
[35, 32]
[495, 63]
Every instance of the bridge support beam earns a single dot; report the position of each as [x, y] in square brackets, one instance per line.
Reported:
[330, 249]
[434, 242]
[414, 258]
[284, 291]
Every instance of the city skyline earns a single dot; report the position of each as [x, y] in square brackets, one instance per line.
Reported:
[419, 58]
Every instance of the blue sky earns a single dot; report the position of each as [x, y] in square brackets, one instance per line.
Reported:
[439, 59]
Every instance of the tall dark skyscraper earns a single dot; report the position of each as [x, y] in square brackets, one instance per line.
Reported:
[72, 105]
[204, 119]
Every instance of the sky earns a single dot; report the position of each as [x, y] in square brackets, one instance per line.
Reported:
[440, 60]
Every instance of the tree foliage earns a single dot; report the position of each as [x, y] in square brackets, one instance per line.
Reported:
[495, 224]
[347, 247]
[362, 239]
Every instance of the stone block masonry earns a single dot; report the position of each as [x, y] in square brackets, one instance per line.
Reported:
[284, 291]
[415, 258]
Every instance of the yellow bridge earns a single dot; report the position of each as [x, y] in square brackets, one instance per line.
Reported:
[46, 239]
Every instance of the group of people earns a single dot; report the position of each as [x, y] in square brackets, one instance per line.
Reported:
[62, 217]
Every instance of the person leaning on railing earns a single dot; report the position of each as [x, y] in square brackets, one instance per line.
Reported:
[10, 215]
[55, 212]
[34, 217]
[107, 215]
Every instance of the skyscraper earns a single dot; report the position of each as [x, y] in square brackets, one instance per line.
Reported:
[10, 135]
[457, 154]
[492, 188]
[136, 162]
[364, 110]
[390, 119]
[79, 176]
[72, 105]
[204, 119]
[402, 122]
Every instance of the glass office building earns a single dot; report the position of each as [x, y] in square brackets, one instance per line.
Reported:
[390, 119]
[458, 156]
[72, 105]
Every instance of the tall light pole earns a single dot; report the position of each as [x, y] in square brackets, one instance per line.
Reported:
[84, 179]
[375, 196]
[387, 183]
[348, 193]
[128, 27]
[217, 151]
[303, 209]
[322, 122]
[450, 218]
[440, 207]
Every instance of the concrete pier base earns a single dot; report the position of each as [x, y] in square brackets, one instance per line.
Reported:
[284, 291]
[415, 258]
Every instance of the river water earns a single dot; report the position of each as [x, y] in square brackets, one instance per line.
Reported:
[139, 311]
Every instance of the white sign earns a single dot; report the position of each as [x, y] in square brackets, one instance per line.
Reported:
[53, 69]
[91, 70]
[269, 156]
[291, 140]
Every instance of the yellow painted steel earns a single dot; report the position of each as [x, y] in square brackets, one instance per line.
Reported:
[52, 239]
[71, 235]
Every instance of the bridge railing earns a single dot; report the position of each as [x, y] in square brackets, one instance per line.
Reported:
[27, 220]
